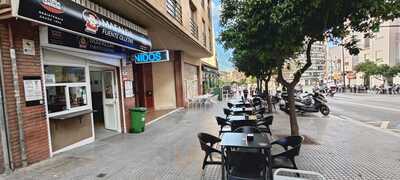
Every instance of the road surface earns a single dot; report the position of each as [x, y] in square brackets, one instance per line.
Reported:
[378, 110]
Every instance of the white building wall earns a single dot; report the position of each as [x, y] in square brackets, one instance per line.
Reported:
[384, 48]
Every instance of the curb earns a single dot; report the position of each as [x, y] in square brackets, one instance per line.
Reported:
[366, 125]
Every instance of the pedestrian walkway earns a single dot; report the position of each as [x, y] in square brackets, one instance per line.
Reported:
[169, 149]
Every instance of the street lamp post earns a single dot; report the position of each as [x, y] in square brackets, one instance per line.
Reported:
[343, 72]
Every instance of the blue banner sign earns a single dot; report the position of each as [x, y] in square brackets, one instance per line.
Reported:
[151, 57]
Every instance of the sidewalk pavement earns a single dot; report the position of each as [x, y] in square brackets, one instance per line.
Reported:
[169, 149]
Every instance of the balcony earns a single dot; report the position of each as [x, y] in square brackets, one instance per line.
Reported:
[194, 29]
[175, 10]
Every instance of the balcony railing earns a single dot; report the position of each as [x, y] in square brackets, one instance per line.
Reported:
[175, 10]
[204, 39]
[194, 29]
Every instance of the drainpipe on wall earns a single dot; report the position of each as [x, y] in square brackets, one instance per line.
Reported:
[4, 133]
[20, 123]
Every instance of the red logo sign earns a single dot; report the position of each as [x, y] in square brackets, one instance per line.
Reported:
[53, 6]
[92, 21]
[83, 43]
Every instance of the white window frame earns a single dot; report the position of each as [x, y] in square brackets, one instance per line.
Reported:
[66, 89]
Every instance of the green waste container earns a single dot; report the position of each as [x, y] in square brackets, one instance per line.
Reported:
[138, 117]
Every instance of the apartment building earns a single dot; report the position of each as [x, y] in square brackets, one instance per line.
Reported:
[210, 71]
[315, 74]
[72, 69]
[383, 48]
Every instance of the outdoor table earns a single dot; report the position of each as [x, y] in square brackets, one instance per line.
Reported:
[239, 140]
[241, 118]
[242, 110]
[239, 104]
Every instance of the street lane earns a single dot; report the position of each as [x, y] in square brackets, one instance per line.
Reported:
[370, 109]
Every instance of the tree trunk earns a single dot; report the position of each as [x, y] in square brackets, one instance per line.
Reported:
[258, 84]
[269, 103]
[294, 127]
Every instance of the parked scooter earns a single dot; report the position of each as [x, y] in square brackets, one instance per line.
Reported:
[328, 92]
[309, 103]
[331, 92]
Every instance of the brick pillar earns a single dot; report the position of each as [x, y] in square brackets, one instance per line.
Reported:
[178, 73]
[129, 101]
[34, 118]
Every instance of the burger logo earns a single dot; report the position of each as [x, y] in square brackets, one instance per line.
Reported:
[92, 21]
[53, 6]
[83, 43]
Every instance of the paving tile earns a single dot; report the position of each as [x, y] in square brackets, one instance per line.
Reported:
[169, 150]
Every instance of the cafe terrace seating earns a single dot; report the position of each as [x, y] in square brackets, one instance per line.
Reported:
[245, 142]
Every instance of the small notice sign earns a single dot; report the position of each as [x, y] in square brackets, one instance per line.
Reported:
[28, 47]
[33, 90]
[129, 89]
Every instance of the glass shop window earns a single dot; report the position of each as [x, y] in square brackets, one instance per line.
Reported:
[56, 99]
[66, 88]
[77, 96]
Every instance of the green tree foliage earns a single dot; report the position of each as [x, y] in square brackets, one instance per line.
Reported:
[370, 68]
[278, 30]
[249, 62]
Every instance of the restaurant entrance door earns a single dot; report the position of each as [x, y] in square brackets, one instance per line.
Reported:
[105, 101]
[110, 101]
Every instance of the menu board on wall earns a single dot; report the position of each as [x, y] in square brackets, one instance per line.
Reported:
[33, 90]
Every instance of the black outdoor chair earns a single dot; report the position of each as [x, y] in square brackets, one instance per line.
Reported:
[257, 103]
[260, 111]
[222, 123]
[264, 124]
[256, 99]
[230, 105]
[241, 123]
[274, 101]
[286, 159]
[243, 165]
[227, 112]
[207, 143]
[247, 129]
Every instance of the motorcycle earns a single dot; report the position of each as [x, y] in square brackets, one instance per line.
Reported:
[309, 103]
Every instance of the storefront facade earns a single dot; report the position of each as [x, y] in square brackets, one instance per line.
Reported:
[210, 78]
[69, 75]
[73, 75]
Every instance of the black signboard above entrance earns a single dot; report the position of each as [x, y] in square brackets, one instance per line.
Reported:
[73, 17]
[62, 38]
